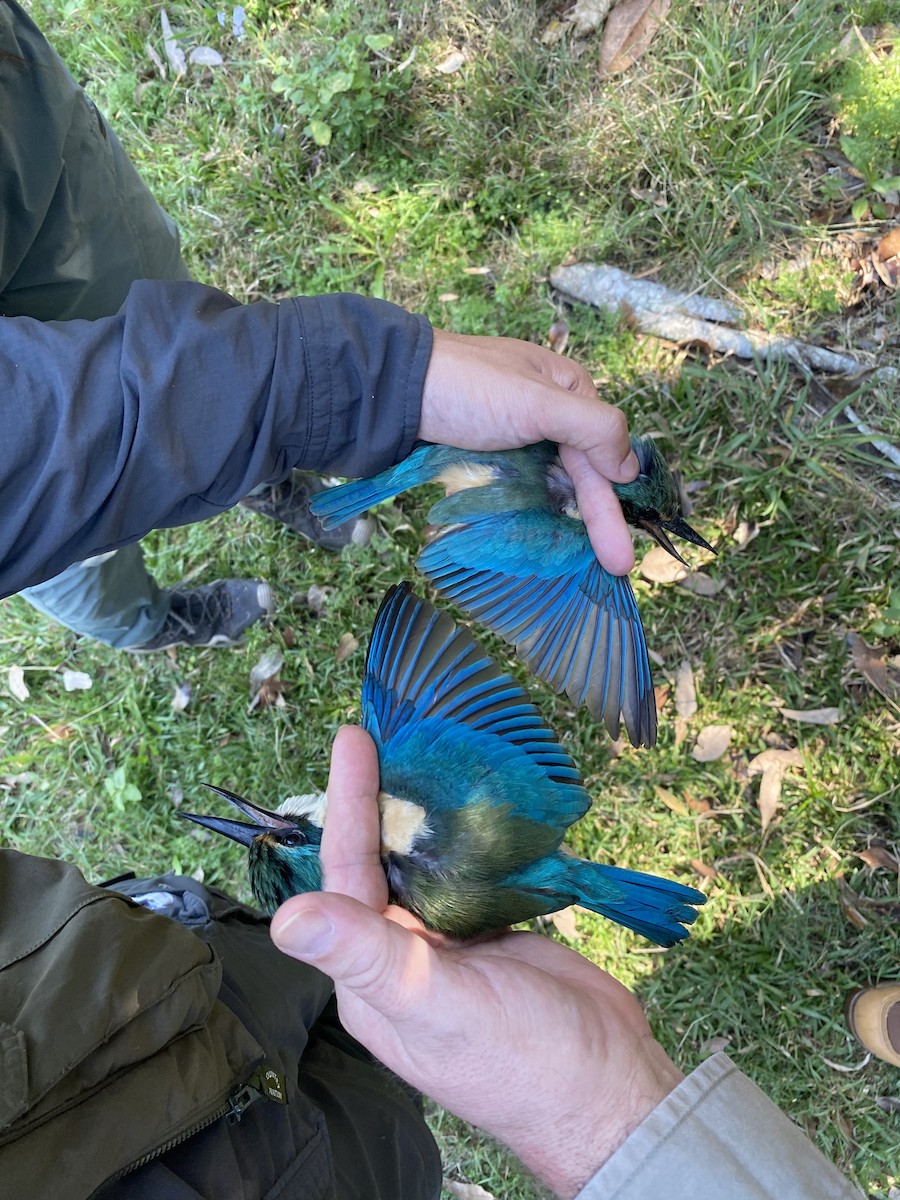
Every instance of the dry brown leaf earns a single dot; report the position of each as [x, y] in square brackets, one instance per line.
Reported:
[467, 1191]
[661, 694]
[889, 246]
[448, 297]
[849, 905]
[269, 695]
[629, 31]
[698, 806]
[564, 922]
[712, 742]
[873, 664]
[658, 566]
[451, 63]
[704, 869]
[744, 533]
[269, 664]
[772, 765]
[317, 597]
[558, 337]
[812, 716]
[671, 801]
[346, 647]
[685, 692]
[477, 270]
[878, 856]
[714, 1044]
[701, 585]
[59, 733]
[15, 678]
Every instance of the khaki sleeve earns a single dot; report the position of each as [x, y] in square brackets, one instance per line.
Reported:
[717, 1134]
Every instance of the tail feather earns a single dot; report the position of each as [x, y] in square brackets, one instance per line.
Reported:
[336, 505]
[657, 908]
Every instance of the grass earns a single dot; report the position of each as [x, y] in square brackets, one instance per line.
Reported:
[693, 166]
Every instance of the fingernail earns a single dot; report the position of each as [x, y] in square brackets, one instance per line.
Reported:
[307, 934]
[630, 466]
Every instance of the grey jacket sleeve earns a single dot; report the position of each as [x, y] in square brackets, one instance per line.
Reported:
[717, 1134]
[177, 406]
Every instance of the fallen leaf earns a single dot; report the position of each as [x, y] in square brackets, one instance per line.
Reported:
[744, 533]
[685, 692]
[182, 697]
[671, 801]
[585, 16]
[704, 869]
[269, 695]
[199, 874]
[448, 297]
[873, 664]
[701, 585]
[661, 694]
[812, 716]
[658, 566]
[174, 52]
[76, 681]
[289, 637]
[889, 246]
[558, 337]
[155, 59]
[317, 598]
[564, 921]
[849, 905]
[477, 270]
[451, 63]
[176, 795]
[698, 806]
[772, 765]
[467, 1191]
[268, 665]
[878, 856]
[712, 742]
[205, 56]
[59, 733]
[629, 31]
[346, 647]
[890, 1104]
[714, 1044]
[15, 678]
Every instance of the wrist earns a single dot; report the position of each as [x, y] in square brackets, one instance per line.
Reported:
[575, 1145]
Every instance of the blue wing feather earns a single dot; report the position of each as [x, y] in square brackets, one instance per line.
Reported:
[427, 682]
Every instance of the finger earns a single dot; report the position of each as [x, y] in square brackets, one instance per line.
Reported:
[379, 962]
[601, 511]
[576, 417]
[351, 842]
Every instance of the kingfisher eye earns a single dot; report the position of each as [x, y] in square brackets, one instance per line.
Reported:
[293, 839]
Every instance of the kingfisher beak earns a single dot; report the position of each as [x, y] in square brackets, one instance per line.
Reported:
[240, 831]
[678, 526]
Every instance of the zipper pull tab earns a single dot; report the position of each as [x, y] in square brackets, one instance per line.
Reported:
[267, 1080]
[264, 1083]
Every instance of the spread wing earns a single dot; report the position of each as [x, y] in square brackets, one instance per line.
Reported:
[576, 625]
[438, 706]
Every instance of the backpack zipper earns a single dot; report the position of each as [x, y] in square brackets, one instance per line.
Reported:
[265, 1083]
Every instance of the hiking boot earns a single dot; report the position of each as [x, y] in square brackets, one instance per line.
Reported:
[873, 1017]
[213, 615]
[288, 502]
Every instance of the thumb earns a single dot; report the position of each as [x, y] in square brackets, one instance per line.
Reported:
[383, 964]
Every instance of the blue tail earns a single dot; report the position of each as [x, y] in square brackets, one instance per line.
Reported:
[336, 505]
[657, 908]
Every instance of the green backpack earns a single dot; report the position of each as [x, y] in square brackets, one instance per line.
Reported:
[166, 1049]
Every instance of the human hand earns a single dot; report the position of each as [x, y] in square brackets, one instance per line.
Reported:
[518, 1035]
[492, 393]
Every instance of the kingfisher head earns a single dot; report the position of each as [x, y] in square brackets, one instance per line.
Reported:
[283, 846]
[651, 501]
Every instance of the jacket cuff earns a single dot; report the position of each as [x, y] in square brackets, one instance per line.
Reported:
[365, 366]
[718, 1134]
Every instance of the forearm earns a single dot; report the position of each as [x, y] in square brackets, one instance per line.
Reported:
[178, 406]
[718, 1134]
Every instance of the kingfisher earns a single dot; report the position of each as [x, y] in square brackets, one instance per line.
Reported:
[476, 795]
[512, 550]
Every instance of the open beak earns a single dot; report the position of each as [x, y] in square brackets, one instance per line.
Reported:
[678, 526]
[240, 831]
